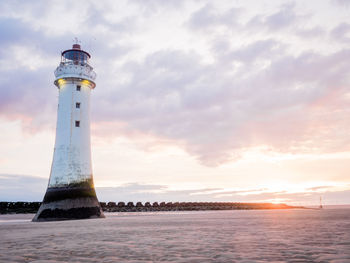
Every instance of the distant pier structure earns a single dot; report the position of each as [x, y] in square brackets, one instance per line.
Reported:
[70, 193]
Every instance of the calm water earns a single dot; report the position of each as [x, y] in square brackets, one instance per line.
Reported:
[209, 236]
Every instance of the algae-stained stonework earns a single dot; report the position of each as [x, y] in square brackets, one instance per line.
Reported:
[71, 193]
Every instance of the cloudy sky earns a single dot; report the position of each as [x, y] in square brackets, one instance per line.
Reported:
[195, 100]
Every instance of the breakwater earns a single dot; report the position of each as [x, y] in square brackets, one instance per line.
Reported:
[32, 207]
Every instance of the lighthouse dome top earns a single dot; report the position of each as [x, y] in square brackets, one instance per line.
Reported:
[75, 55]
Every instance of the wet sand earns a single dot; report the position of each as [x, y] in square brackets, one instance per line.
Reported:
[207, 236]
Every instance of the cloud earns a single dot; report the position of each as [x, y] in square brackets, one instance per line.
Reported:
[208, 16]
[153, 6]
[283, 19]
[22, 188]
[320, 188]
[254, 91]
[266, 49]
[341, 32]
[341, 3]
[216, 111]
[313, 32]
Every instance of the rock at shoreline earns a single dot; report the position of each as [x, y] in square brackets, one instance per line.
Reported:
[32, 207]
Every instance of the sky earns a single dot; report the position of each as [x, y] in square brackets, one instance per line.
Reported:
[242, 101]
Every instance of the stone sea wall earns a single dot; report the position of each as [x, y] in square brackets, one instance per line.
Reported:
[19, 207]
[32, 207]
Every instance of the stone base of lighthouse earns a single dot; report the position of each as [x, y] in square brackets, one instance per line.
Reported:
[69, 203]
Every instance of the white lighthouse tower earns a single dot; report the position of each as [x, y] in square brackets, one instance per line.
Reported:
[71, 193]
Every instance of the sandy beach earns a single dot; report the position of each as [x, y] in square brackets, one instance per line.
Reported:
[205, 236]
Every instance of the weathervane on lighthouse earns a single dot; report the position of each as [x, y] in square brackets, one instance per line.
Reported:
[70, 193]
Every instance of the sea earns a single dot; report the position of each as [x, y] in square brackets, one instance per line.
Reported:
[290, 235]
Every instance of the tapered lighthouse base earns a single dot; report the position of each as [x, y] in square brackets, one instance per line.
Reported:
[67, 203]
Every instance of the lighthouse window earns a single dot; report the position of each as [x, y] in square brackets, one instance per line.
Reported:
[78, 87]
[77, 123]
[77, 105]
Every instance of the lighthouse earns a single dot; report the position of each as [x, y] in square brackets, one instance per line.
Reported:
[70, 193]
